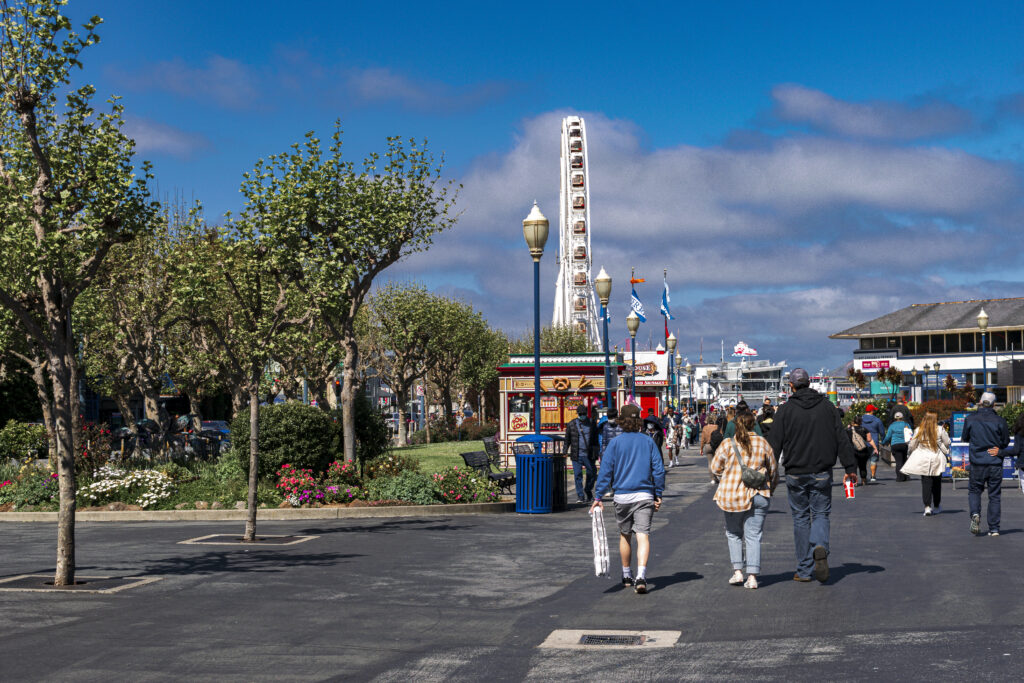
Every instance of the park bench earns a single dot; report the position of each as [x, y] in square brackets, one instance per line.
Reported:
[479, 461]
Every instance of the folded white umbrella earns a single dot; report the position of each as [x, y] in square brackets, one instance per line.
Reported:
[600, 542]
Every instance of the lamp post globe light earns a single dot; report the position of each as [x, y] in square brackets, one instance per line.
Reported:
[603, 287]
[633, 324]
[983, 325]
[535, 231]
[670, 344]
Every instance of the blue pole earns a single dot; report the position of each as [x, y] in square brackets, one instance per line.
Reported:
[671, 377]
[536, 348]
[632, 348]
[984, 365]
[607, 361]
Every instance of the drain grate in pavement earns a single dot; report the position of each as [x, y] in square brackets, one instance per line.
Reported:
[235, 539]
[605, 639]
[608, 639]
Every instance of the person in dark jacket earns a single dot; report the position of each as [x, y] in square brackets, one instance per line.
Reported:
[610, 429]
[873, 424]
[900, 406]
[654, 428]
[810, 435]
[581, 435]
[984, 430]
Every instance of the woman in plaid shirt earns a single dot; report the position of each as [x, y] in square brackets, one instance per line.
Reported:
[745, 508]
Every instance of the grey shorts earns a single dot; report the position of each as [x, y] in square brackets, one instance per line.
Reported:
[634, 517]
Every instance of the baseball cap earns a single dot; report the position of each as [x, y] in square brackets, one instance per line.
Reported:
[798, 377]
[988, 398]
[898, 415]
[629, 410]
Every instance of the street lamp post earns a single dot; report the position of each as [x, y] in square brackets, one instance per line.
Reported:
[670, 343]
[689, 383]
[633, 324]
[603, 286]
[679, 375]
[983, 325]
[938, 387]
[535, 230]
[927, 371]
[913, 373]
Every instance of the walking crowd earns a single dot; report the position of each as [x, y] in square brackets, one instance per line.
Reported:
[804, 437]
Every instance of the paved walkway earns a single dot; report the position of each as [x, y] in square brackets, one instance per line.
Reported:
[470, 598]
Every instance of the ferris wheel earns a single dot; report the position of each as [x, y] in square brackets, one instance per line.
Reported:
[574, 292]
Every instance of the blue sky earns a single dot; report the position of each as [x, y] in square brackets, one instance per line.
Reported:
[797, 167]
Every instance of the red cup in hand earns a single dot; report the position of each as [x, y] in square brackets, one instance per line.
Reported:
[850, 487]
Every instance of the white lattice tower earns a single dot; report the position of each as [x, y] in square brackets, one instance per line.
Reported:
[574, 289]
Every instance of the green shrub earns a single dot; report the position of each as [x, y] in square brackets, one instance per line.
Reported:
[290, 433]
[341, 474]
[20, 441]
[1010, 412]
[471, 429]
[33, 486]
[461, 485]
[943, 409]
[409, 486]
[390, 465]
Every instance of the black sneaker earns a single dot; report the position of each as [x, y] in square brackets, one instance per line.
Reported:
[640, 585]
[581, 500]
[821, 563]
[976, 524]
[627, 581]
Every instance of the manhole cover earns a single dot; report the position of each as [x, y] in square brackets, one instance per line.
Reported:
[604, 639]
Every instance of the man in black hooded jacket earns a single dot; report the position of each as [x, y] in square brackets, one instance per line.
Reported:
[808, 433]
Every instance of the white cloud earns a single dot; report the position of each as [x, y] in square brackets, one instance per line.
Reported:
[226, 82]
[927, 118]
[159, 138]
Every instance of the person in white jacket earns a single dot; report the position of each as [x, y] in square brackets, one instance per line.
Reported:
[928, 449]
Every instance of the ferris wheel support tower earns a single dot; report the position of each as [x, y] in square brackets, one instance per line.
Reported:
[574, 290]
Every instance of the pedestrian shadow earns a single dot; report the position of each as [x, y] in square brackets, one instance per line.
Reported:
[836, 574]
[1010, 531]
[660, 582]
[950, 512]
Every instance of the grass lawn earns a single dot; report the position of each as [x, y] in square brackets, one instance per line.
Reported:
[436, 456]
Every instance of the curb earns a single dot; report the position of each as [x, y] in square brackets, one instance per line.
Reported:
[266, 514]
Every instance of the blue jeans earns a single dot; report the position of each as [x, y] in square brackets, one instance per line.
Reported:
[578, 466]
[743, 529]
[980, 477]
[810, 499]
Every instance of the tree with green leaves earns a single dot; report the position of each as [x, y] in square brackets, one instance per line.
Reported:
[553, 339]
[68, 194]
[354, 223]
[394, 328]
[479, 368]
[457, 332]
[239, 284]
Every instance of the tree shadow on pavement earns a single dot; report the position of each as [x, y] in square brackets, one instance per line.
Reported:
[232, 561]
[390, 526]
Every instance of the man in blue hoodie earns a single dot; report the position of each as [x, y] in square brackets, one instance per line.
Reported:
[632, 467]
[984, 430]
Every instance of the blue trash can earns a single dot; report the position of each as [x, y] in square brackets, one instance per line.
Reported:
[534, 490]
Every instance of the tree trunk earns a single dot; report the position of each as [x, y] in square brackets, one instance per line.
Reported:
[64, 406]
[426, 407]
[195, 409]
[43, 396]
[446, 396]
[318, 392]
[402, 396]
[348, 396]
[254, 459]
[151, 402]
[125, 406]
[238, 400]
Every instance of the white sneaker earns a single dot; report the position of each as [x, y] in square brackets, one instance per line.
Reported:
[927, 511]
[669, 466]
[751, 582]
[737, 578]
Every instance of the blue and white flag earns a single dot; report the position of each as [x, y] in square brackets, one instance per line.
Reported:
[637, 307]
[664, 303]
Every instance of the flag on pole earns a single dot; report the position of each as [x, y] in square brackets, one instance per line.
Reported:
[665, 299]
[638, 308]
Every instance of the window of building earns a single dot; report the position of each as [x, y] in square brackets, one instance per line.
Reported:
[865, 344]
[967, 344]
[1013, 338]
[880, 342]
[907, 345]
[893, 343]
[997, 341]
[938, 343]
[923, 343]
[952, 343]
[520, 412]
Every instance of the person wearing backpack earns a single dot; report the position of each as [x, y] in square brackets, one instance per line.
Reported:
[863, 447]
[897, 437]
[581, 435]
[746, 466]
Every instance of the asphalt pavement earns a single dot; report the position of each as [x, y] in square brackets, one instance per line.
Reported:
[470, 598]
